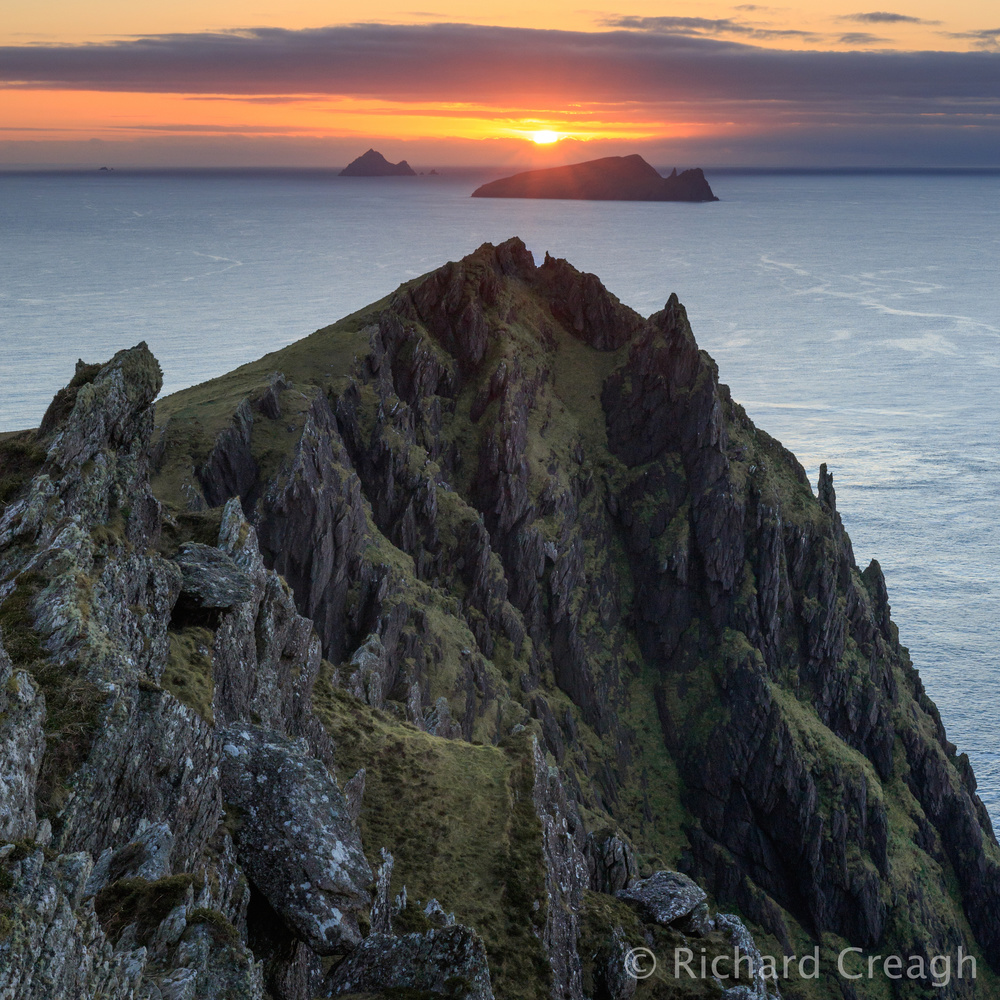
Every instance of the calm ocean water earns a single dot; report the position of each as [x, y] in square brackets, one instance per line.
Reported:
[856, 317]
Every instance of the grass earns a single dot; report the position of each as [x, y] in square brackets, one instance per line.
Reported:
[192, 419]
[21, 458]
[460, 823]
[188, 674]
[221, 929]
[140, 902]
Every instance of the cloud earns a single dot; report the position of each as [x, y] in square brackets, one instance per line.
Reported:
[985, 38]
[471, 63]
[703, 26]
[860, 38]
[885, 17]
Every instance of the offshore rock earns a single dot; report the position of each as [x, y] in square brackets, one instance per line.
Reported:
[664, 897]
[612, 178]
[296, 842]
[374, 164]
[450, 961]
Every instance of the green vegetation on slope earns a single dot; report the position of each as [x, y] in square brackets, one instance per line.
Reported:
[460, 824]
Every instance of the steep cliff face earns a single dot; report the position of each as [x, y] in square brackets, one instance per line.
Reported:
[510, 554]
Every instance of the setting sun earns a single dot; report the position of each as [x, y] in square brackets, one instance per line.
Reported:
[544, 137]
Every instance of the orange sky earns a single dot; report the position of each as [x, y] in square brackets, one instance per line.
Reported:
[191, 111]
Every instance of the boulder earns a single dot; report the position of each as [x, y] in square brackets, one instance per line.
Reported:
[211, 579]
[296, 840]
[664, 897]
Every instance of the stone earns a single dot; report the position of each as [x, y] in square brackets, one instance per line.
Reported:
[381, 919]
[566, 876]
[211, 579]
[436, 915]
[146, 857]
[22, 747]
[611, 861]
[354, 793]
[742, 939]
[614, 977]
[296, 840]
[450, 961]
[663, 898]
[54, 945]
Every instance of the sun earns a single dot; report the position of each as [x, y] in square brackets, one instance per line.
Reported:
[544, 137]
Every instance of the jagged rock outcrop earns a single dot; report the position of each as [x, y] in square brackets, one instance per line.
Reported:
[509, 554]
[611, 861]
[566, 877]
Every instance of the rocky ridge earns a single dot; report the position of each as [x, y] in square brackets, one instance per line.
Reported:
[493, 576]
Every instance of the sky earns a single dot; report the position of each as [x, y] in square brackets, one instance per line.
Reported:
[304, 83]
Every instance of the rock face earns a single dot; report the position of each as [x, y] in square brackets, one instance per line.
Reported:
[612, 178]
[493, 577]
[374, 164]
[22, 746]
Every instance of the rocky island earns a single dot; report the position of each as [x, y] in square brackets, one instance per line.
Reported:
[374, 164]
[456, 651]
[612, 178]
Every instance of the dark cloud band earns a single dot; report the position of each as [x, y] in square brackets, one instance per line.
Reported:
[454, 62]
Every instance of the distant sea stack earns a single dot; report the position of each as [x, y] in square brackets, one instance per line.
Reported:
[374, 164]
[612, 178]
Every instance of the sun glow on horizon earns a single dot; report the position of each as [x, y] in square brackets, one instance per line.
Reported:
[545, 137]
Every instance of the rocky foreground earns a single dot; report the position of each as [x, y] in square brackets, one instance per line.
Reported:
[455, 651]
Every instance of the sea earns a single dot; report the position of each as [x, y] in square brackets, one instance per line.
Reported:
[856, 316]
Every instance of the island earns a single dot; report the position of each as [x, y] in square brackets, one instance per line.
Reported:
[611, 178]
[374, 164]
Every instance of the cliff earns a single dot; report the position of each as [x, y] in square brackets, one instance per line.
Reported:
[374, 164]
[613, 178]
[459, 648]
